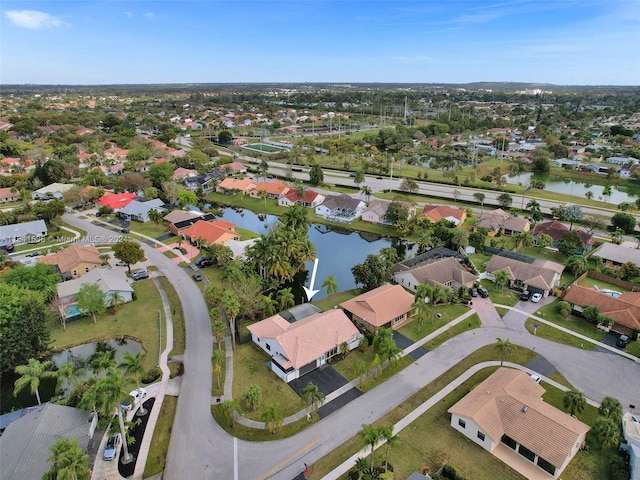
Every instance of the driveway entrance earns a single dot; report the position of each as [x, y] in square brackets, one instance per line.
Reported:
[325, 377]
[403, 342]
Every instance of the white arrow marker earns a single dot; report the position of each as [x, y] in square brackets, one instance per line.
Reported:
[310, 291]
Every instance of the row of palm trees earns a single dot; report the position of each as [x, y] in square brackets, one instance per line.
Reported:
[372, 435]
[103, 395]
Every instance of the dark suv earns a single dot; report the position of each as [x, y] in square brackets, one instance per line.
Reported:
[524, 296]
[483, 292]
[622, 341]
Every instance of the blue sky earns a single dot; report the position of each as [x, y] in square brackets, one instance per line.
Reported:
[567, 42]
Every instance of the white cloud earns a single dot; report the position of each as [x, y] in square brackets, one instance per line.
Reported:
[128, 14]
[150, 15]
[34, 19]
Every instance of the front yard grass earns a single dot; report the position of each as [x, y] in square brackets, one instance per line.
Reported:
[246, 234]
[447, 313]
[470, 323]
[327, 303]
[177, 316]
[137, 319]
[502, 296]
[150, 229]
[161, 435]
[250, 367]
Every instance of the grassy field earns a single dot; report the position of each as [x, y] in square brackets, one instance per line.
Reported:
[469, 324]
[590, 282]
[179, 335]
[161, 435]
[502, 296]
[574, 323]
[138, 320]
[246, 234]
[415, 332]
[150, 229]
[327, 303]
[249, 367]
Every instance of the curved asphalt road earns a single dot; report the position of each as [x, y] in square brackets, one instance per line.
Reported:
[199, 448]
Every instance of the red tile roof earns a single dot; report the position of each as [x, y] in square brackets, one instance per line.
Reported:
[116, 200]
[219, 231]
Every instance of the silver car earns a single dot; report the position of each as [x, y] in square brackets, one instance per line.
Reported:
[111, 448]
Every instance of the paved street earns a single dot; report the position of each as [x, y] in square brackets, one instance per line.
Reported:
[199, 448]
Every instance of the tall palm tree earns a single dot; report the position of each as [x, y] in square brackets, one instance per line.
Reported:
[421, 312]
[371, 436]
[607, 432]
[366, 191]
[436, 294]
[330, 284]
[102, 361]
[503, 346]
[218, 332]
[217, 372]
[69, 374]
[312, 397]
[270, 305]
[30, 376]
[273, 417]
[389, 350]
[132, 365]
[575, 401]
[110, 392]
[286, 298]
[231, 409]
[386, 432]
[115, 300]
[361, 370]
[69, 461]
[231, 306]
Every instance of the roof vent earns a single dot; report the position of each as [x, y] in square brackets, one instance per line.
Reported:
[524, 409]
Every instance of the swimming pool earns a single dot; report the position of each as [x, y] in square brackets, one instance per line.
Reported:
[72, 311]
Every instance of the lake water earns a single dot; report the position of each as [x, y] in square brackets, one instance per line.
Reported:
[578, 189]
[337, 250]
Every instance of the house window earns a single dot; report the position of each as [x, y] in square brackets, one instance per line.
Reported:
[86, 269]
[75, 273]
[509, 442]
[481, 435]
[526, 453]
[268, 346]
[546, 466]
[462, 423]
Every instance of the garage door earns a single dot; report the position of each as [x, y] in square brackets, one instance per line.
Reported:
[307, 368]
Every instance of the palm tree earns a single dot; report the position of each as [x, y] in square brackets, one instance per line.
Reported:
[436, 294]
[576, 264]
[386, 431]
[534, 210]
[115, 300]
[371, 436]
[132, 365]
[231, 306]
[155, 216]
[252, 397]
[31, 374]
[270, 305]
[366, 191]
[503, 346]
[362, 466]
[421, 312]
[295, 217]
[231, 409]
[69, 374]
[273, 417]
[361, 371]
[501, 277]
[523, 239]
[479, 196]
[389, 350]
[110, 392]
[312, 397]
[286, 298]
[575, 401]
[102, 360]
[611, 408]
[218, 332]
[69, 461]
[330, 284]
[217, 372]
[375, 365]
[607, 432]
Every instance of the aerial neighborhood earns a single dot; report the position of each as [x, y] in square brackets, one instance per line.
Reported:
[450, 289]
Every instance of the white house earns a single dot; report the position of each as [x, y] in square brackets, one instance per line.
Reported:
[27, 232]
[139, 211]
[299, 347]
[340, 208]
[55, 190]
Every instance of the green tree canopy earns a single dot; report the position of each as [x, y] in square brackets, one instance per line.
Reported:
[128, 251]
[40, 278]
[160, 172]
[68, 461]
[570, 244]
[23, 326]
[624, 221]
[316, 175]
[91, 300]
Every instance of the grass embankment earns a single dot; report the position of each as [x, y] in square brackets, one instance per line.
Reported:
[217, 385]
[177, 316]
[137, 319]
[161, 435]
[443, 314]
[57, 238]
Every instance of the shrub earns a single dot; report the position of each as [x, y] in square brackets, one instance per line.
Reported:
[450, 472]
[152, 375]
[564, 309]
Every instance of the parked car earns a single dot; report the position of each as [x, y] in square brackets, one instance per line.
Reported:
[483, 292]
[138, 394]
[474, 292]
[198, 277]
[623, 341]
[535, 378]
[111, 448]
[125, 230]
[524, 296]
[121, 263]
[202, 262]
[379, 178]
[536, 297]
[140, 274]
[33, 254]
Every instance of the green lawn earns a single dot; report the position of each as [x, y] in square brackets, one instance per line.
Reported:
[246, 234]
[249, 367]
[469, 324]
[590, 282]
[502, 296]
[415, 332]
[59, 238]
[327, 303]
[161, 435]
[574, 323]
[150, 229]
[177, 316]
[138, 320]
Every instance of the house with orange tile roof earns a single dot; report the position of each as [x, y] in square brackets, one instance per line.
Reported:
[433, 213]
[182, 172]
[506, 415]
[274, 189]
[388, 306]
[309, 199]
[9, 194]
[623, 310]
[231, 186]
[301, 346]
[237, 167]
[209, 233]
[74, 261]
